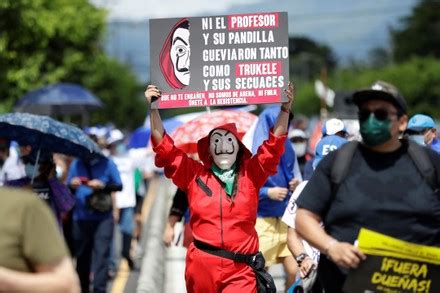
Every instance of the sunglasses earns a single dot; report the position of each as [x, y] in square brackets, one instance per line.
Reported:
[298, 139]
[380, 114]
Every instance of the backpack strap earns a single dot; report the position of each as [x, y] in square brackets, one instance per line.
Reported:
[423, 163]
[341, 164]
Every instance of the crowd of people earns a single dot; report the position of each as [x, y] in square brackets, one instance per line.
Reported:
[314, 202]
[87, 198]
[281, 200]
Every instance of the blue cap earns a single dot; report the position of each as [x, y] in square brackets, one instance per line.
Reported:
[326, 145]
[420, 122]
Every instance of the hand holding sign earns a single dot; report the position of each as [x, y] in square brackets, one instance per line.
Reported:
[157, 130]
[152, 93]
[290, 94]
[345, 254]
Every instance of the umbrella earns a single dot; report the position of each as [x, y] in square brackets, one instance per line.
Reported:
[58, 99]
[45, 133]
[139, 138]
[188, 134]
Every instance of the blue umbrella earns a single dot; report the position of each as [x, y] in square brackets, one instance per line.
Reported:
[45, 133]
[141, 136]
[58, 99]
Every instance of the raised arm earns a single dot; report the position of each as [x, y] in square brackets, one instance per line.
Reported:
[282, 124]
[152, 93]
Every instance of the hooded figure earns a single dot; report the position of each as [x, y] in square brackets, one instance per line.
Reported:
[223, 201]
[175, 55]
[222, 194]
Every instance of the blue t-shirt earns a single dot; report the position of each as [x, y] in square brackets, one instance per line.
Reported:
[435, 146]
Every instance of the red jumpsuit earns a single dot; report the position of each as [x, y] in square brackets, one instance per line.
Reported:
[220, 220]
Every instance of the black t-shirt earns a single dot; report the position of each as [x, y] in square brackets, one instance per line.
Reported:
[42, 189]
[180, 204]
[383, 192]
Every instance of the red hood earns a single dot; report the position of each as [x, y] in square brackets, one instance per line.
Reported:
[203, 145]
[166, 66]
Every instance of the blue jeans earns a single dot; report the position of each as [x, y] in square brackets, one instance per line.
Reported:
[126, 220]
[126, 226]
[93, 238]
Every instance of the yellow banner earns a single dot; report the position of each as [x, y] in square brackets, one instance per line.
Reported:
[375, 243]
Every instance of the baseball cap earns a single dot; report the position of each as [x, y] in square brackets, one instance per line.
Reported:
[333, 126]
[326, 145]
[297, 133]
[115, 136]
[381, 90]
[420, 122]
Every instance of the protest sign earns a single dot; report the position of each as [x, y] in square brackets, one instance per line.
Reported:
[393, 265]
[219, 60]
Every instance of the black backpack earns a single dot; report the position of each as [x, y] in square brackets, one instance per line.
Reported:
[417, 153]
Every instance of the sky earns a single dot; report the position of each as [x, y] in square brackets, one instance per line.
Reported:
[143, 9]
[350, 28]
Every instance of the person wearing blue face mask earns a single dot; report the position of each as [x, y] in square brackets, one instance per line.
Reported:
[383, 189]
[421, 128]
[125, 200]
[93, 183]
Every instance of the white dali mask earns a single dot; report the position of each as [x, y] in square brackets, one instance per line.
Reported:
[180, 53]
[223, 146]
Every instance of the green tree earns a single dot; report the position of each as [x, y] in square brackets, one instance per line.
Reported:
[419, 34]
[45, 41]
[417, 79]
[379, 57]
[308, 57]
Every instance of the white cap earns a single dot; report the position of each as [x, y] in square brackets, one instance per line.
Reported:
[297, 133]
[333, 126]
[115, 135]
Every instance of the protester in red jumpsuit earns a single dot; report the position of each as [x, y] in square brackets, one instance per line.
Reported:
[223, 196]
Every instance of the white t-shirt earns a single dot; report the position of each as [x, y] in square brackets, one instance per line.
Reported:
[13, 167]
[126, 198]
[289, 217]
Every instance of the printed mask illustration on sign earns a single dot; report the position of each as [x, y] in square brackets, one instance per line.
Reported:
[175, 56]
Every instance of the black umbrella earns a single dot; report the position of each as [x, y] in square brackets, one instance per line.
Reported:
[58, 99]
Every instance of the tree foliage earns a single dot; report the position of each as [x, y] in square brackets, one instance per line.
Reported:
[419, 34]
[45, 41]
[417, 79]
[307, 58]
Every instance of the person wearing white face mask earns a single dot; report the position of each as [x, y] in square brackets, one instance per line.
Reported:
[299, 140]
[223, 199]
[421, 129]
[125, 200]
